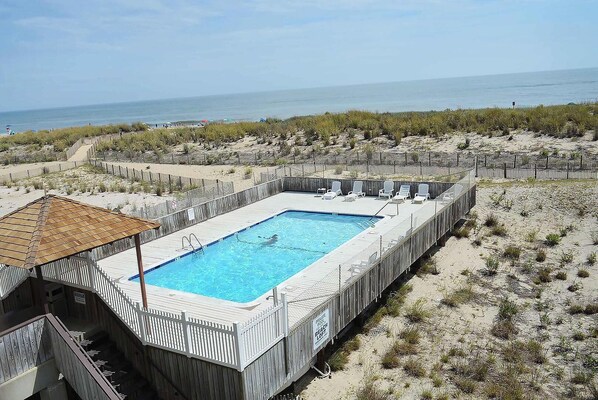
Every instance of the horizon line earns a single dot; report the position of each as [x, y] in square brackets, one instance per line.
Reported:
[290, 90]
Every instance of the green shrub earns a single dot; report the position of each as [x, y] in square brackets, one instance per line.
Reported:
[461, 295]
[465, 385]
[390, 359]
[566, 257]
[492, 265]
[591, 258]
[583, 273]
[417, 312]
[512, 252]
[491, 220]
[499, 230]
[544, 275]
[561, 275]
[541, 255]
[507, 309]
[338, 360]
[552, 239]
[410, 335]
[414, 368]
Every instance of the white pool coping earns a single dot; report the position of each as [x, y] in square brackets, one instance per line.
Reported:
[123, 265]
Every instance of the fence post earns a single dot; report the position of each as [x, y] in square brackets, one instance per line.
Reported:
[139, 312]
[285, 314]
[186, 333]
[515, 162]
[567, 169]
[535, 171]
[90, 271]
[239, 346]
[476, 165]
[505, 170]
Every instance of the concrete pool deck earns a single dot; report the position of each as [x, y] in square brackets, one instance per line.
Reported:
[123, 265]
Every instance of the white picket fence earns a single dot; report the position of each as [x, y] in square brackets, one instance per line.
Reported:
[235, 345]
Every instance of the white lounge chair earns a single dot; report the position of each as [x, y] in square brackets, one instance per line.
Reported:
[334, 191]
[422, 193]
[387, 190]
[452, 194]
[357, 189]
[357, 269]
[404, 193]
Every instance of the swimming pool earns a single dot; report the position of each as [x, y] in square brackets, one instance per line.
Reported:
[249, 263]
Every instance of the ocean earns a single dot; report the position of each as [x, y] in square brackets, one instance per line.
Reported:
[525, 89]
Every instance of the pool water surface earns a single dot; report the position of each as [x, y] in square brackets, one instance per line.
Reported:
[249, 263]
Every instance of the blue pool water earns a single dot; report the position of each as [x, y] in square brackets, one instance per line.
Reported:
[244, 266]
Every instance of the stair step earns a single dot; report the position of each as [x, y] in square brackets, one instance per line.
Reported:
[119, 370]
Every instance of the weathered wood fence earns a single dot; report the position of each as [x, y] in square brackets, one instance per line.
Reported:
[44, 338]
[184, 218]
[10, 278]
[33, 172]
[297, 350]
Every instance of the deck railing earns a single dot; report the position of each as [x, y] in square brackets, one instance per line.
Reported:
[335, 282]
[235, 345]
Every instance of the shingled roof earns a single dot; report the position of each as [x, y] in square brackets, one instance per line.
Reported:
[53, 227]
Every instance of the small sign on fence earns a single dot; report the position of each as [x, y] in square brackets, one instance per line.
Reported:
[79, 297]
[321, 328]
[191, 214]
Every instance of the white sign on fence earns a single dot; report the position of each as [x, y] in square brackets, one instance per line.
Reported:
[79, 297]
[191, 214]
[321, 328]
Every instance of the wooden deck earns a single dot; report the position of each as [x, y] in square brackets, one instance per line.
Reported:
[123, 265]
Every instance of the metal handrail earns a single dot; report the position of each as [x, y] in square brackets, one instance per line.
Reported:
[192, 235]
[188, 241]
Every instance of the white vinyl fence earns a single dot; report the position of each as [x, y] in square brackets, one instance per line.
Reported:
[235, 345]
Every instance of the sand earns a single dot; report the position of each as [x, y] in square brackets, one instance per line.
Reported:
[468, 326]
[524, 207]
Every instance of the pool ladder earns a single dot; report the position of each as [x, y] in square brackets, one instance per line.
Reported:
[192, 236]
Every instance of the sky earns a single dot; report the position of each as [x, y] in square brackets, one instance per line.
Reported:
[70, 52]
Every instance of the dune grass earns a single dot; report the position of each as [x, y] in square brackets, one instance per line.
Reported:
[559, 121]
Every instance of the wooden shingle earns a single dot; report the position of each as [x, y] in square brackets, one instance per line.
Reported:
[53, 227]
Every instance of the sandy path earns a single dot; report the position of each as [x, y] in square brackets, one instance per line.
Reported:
[81, 153]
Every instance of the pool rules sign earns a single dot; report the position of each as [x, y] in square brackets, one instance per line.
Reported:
[321, 328]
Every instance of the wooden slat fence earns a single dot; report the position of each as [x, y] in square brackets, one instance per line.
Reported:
[180, 219]
[76, 365]
[10, 279]
[30, 173]
[401, 247]
[23, 347]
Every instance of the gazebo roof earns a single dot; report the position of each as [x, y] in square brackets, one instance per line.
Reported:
[53, 227]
